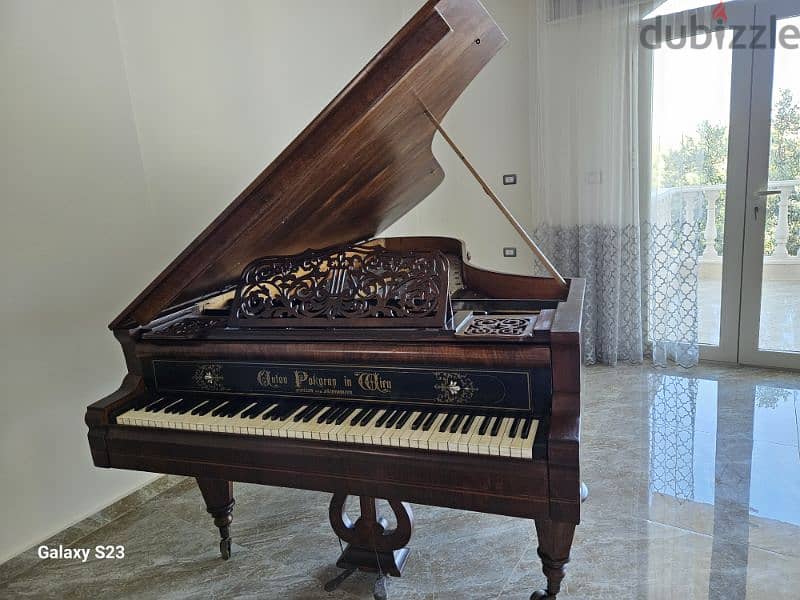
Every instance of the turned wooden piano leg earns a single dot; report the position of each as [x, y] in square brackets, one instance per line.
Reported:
[555, 541]
[218, 496]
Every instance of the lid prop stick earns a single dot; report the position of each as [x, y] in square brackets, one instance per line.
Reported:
[499, 203]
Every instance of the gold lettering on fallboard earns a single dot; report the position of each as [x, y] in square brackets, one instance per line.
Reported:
[303, 379]
[268, 379]
[373, 382]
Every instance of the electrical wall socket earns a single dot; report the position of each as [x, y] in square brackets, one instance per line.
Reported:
[510, 179]
[509, 252]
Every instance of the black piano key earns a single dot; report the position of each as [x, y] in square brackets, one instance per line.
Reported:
[244, 407]
[313, 413]
[234, 408]
[170, 404]
[446, 422]
[174, 407]
[150, 403]
[201, 407]
[333, 415]
[426, 425]
[168, 410]
[393, 419]
[220, 409]
[227, 409]
[359, 414]
[403, 420]
[298, 416]
[526, 429]
[344, 414]
[419, 421]
[258, 408]
[271, 411]
[230, 409]
[324, 414]
[496, 427]
[293, 410]
[384, 417]
[159, 404]
[185, 406]
[283, 410]
[207, 407]
[368, 417]
[485, 425]
[456, 422]
[189, 405]
[468, 423]
[512, 432]
[258, 405]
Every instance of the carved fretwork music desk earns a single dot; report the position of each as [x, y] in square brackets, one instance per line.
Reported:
[373, 367]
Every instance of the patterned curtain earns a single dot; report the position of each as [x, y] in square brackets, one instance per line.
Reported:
[641, 266]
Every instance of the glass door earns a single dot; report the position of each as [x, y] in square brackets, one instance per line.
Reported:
[770, 307]
[701, 78]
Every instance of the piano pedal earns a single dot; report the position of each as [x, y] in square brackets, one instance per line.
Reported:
[334, 583]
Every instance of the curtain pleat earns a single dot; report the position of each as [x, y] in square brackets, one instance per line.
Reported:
[641, 295]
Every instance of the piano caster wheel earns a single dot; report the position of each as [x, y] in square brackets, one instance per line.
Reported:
[225, 548]
[379, 592]
[541, 595]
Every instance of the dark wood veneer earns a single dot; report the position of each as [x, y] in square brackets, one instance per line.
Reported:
[365, 161]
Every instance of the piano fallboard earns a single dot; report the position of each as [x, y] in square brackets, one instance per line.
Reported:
[480, 389]
[513, 378]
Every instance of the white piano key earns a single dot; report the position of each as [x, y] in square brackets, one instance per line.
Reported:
[469, 442]
[398, 435]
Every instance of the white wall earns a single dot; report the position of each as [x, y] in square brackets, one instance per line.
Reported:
[490, 125]
[75, 242]
[127, 126]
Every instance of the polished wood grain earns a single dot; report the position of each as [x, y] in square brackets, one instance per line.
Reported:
[555, 542]
[218, 496]
[364, 162]
[371, 545]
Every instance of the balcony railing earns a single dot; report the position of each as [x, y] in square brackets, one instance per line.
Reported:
[781, 273]
[699, 203]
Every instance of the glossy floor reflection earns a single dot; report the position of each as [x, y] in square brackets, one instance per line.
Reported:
[694, 480]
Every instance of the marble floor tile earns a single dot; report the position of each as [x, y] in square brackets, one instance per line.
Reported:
[694, 480]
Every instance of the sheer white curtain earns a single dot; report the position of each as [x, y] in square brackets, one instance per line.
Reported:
[586, 185]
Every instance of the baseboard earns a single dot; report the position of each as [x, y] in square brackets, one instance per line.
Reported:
[70, 536]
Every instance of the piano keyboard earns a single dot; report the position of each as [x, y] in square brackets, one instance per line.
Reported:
[404, 428]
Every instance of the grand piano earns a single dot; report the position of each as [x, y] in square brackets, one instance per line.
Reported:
[287, 345]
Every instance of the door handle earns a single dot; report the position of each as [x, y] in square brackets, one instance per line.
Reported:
[763, 194]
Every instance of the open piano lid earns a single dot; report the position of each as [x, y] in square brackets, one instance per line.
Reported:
[360, 165]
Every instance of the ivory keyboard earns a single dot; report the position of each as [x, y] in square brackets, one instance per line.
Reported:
[445, 430]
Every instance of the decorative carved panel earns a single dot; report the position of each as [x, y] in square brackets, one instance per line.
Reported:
[186, 328]
[498, 326]
[358, 285]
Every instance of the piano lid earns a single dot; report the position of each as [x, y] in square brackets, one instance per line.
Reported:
[360, 165]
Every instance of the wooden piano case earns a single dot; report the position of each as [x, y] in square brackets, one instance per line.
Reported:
[361, 164]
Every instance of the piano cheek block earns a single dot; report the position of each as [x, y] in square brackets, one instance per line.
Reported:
[288, 345]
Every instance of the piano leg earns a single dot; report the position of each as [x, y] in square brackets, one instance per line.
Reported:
[555, 541]
[218, 496]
